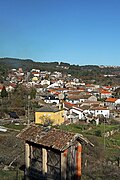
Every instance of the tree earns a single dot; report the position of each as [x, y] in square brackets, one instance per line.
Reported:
[46, 121]
[19, 97]
[32, 93]
[4, 93]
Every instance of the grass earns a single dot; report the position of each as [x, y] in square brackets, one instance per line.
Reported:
[103, 128]
[112, 143]
[74, 128]
[88, 129]
[15, 127]
[11, 175]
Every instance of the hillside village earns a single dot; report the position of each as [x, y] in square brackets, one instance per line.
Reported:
[57, 99]
[80, 101]
[60, 90]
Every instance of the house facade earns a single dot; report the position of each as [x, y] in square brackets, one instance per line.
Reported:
[96, 111]
[80, 98]
[48, 114]
[77, 111]
[105, 94]
[112, 103]
[51, 99]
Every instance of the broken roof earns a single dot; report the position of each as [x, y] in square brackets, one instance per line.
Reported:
[54, 138]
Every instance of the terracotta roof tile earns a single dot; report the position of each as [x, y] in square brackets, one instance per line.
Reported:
[98, 108]
[68, 104]
[105, 92]
[110, 99]
[54, 138]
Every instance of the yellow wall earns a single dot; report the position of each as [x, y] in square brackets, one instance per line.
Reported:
[56, 117]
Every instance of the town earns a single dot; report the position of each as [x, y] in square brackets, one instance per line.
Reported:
[60, 90]
[61, 103]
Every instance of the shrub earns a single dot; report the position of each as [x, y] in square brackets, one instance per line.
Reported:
[98, 133]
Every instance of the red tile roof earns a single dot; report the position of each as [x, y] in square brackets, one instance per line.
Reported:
[105, 92]
[98, 108]
[89, 85]
[13, 85]
[1, 87]
[111, 100]
[52, 138]
[68, 105]
[35, 72]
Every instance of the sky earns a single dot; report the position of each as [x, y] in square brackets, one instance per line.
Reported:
[81, 32]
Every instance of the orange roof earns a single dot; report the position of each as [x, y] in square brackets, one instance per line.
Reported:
[35, 72]
[108, 86]
[60, 89]
[111, 99]
[51, 90]
[57, 93]
[74, 92]
[81, 89]
[100, 89]
[89, 85]
[68, 103]
[98, 108]
[105, 92]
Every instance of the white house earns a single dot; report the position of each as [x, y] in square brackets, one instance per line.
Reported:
[10, 88]
[56, 84]
[100, 111]
[77, 111]
[112, 102]
[56, 74]
[73, 99]
[80, 98]
[117, 101]
[51, 99]
[45, 82]
[105, 94]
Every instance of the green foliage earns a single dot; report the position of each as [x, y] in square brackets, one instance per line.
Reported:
[11, 174]
[46, 120]
[4, 93]
[87, 73]
[33, 93]
[19, 98]
[98, 133]
[13, 126]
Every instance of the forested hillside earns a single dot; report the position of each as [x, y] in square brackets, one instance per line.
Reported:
[86, 72]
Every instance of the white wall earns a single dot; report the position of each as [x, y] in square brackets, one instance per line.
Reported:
[52, 101]
[117, 101]
[105, 113]
[80, 113]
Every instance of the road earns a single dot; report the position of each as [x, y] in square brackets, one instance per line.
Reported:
[5, 121]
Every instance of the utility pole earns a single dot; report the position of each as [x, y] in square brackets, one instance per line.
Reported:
[104, 135]
[28, 123]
